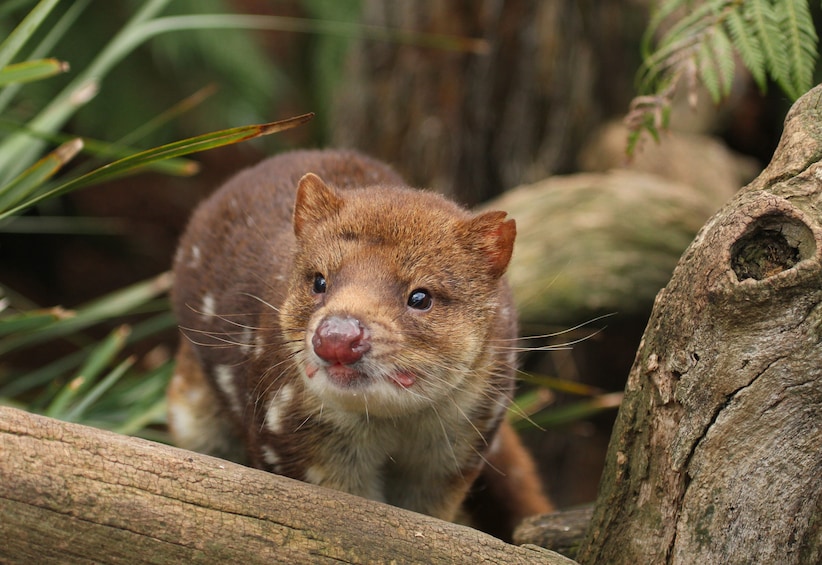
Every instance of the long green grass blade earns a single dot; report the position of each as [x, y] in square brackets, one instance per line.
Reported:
[46, 45]
[19, 150]
[119, 150]
[65, 225]
[147, 399]
[31, 71]
[560, 385]
[176, 149]
[28, 321]
[79, 409]
[562, 415]
[101, 357]
[154, 414]
[32, 178]
[165, 117]
[306, 25]
[10, 6]
[18, 384]
[23, 32]
[141, 28]
[111, 306]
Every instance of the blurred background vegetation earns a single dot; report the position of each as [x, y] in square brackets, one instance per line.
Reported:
[470, 98]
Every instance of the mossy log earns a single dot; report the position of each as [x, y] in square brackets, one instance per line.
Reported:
[717, 450]
[598, 243]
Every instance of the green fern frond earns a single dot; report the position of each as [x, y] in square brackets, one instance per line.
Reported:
[748, 46]
[796, 26]
[763, 18]
[715, 64]
[775, 39]
[659, 14]
[675, 47]
[681, 43]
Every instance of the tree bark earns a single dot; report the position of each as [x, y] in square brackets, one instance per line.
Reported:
[70, 493]
[560, 531]
[473, 125]
[716, 455]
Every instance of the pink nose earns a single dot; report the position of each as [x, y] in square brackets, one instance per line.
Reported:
[340, 340]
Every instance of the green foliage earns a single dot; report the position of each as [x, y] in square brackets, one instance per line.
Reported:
[80, 364]
[98, 381]
[693, 42]
[72, 386]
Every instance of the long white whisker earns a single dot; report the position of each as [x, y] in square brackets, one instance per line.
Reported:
[566, 330]
[260, 300]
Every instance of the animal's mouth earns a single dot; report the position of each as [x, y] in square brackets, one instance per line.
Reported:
[346, 376]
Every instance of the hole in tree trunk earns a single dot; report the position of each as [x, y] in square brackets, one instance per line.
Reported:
[770, 245]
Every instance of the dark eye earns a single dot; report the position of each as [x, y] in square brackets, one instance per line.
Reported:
[319, 284]
[420, 299]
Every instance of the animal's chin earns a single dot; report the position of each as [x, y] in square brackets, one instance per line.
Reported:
[346, 377]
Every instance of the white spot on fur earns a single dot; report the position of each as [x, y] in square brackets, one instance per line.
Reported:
[277, 406]
[314, 475]
[246, 340]
[225, 381]
[259, 346]
[270, 456]
[194, 262]
[207, 308]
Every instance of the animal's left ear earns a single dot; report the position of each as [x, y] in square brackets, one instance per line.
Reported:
[493, 235]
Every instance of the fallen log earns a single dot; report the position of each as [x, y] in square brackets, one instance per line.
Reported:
[70, 493]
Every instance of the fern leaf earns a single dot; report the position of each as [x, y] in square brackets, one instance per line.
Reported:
[748, 46]
[796, 25]
[676, 45]
[724, 52]
[765, 23]
[657, 69]
[707, 71]
[682, 41]
[715, 63]
[692, 24]
[659, 14]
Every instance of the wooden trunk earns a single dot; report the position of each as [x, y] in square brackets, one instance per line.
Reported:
[717, 450]
[474, 124]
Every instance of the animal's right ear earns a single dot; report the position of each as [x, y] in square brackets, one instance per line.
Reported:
[316, 202]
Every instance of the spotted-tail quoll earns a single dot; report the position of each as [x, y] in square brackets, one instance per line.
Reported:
[346, 330]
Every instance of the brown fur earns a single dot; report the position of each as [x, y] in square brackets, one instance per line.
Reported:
[410, 422]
